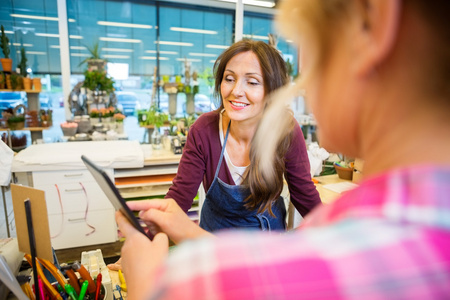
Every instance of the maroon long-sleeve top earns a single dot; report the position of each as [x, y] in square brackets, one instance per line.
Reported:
[201, 155]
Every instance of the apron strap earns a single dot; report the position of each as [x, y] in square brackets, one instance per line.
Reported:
[223, 150]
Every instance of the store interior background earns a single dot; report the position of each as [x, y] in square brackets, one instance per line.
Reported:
[129, 33]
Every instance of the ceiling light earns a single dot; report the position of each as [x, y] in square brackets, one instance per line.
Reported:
[55, 46]
[80, 54]
[77, 37]
[189, 59]
[203, 54]
[217, 46]
[77, 47]
[174, 43]
[116, 56]
[34, 17]
[130, 25]
[72, 20]
[259, 37]
[191, 30]
[254, 2]
[110, 39]
[9, 32]
[23, 45]
[34, 52]
[55, 35]
[162, 52]
[117, 50]
[153, 58]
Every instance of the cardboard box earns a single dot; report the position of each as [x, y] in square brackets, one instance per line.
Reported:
[358, 170]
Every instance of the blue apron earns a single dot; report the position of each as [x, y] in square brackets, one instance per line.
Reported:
[224, 207]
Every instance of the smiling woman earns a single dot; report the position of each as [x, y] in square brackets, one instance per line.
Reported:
[236, 195]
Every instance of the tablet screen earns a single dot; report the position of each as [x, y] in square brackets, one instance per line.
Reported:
[111, 192]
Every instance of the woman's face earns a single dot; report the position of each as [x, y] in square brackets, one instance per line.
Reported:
[242, 87]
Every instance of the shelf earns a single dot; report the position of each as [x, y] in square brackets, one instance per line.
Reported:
[26, 129]
[140, 181]
[26, 91]
[160, 170]
[145, 191]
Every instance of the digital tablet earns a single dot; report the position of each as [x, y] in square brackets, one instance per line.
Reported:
[112, 193]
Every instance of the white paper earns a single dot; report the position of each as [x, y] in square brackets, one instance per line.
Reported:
[340, 187]
[6, 159]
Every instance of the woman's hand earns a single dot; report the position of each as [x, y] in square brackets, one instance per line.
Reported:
[141, 258]
[166, 216]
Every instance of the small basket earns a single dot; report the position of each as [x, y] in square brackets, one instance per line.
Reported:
[344, 173]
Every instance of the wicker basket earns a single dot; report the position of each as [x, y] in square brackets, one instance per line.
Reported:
[344, 173]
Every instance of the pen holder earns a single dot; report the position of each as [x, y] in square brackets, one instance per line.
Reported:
[344, 173]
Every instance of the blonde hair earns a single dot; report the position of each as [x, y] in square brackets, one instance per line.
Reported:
[317, 22]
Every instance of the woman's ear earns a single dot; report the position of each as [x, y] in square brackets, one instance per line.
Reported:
[377, 32]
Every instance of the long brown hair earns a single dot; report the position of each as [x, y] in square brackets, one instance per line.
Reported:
[263, 191]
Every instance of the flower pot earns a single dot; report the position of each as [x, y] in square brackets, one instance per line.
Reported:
[37, 84]
[6, 64]
[190, 104]
[27, 83]
[16, 125]
[344, 173]
[173, 104]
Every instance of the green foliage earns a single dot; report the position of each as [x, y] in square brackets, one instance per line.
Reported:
[14, 80]
[95, 53]
[2, 77]
[23, 63]
[154, 116]
[290, 68]
[16, 119]
[5, 43]
[98, 80]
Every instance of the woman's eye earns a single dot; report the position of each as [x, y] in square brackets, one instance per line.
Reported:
[229, 79]
[253, 82]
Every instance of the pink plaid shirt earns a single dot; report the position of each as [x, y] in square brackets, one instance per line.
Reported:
[387, 239]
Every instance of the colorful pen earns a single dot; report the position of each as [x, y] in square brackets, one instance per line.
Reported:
[71, 292]
[84, 287]
[99, 284]
[123, 284]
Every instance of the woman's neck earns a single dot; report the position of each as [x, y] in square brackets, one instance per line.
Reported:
[241, 131]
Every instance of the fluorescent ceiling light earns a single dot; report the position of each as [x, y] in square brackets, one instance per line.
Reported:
[116, 56]
[153, 58]
[55, 46]
[10, 32]
[217, 46]
[162, 52]
[34, 52]
[212, 61]
[189, 59]
[117, 50]
[77, 47]
[55, 35]
[174, 43]
[34, 17]
[24, 45]
[80, 54]
[130, 25]
[254, 2]
[77, 37]
[203, 54]
[72, 20]
[259, 37]
[192, 30]
[110, 39]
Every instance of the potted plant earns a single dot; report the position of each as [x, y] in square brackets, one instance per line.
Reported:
[23, 69]
[16, 122]
[4, 41]
[96, 80]
[95, 62]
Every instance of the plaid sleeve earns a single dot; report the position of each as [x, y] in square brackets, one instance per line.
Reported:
[353, 259]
